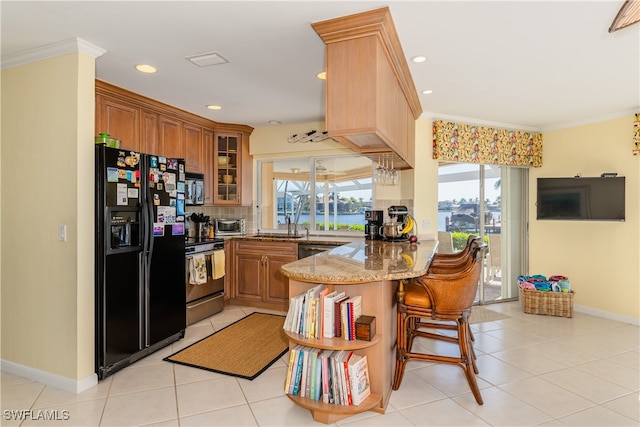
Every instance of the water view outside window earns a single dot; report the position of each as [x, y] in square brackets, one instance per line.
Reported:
[321, 194]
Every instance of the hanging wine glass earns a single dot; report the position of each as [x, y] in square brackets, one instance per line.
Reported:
[394, 174]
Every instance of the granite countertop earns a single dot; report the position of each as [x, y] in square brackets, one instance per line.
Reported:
[366, 261]
[318, 240]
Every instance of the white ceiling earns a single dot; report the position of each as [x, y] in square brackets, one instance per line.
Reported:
[531, 64]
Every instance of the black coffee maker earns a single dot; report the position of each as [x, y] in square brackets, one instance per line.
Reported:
[374, 219]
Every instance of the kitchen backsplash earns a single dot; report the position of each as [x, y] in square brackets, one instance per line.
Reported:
[246, 212]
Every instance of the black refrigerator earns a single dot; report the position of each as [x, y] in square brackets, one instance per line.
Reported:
[140, 261]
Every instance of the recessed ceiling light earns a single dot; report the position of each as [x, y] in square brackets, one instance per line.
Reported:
[322, 75]
[214, 107]
[418, 59]
[274, 122]
[427, 92]
[144, 68]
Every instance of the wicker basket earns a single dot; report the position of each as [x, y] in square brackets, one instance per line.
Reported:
[550, 303]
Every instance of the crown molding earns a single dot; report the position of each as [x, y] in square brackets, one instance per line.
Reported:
[474, 121]
[74, 45]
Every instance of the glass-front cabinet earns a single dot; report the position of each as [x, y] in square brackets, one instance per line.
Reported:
[231, 167]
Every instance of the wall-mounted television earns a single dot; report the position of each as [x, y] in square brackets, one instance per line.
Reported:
[594, 199]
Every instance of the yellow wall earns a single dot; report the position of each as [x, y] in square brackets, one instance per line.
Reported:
[47, 180]
[600, 258]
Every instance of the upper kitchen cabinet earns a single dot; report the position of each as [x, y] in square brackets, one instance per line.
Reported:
[232, 169]
[149, 126]
[194, 148]
[120, 120]
[170, 137]
[372, 103]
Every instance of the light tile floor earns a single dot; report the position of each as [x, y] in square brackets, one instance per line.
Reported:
[534, 370]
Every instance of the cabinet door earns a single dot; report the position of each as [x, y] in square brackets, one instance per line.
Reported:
[248, 275]
[120, 120]
[171, 141]
[208, 167]
[193, 148]
[232, 169]
[149, 134]
[277, 284]
[227, 164]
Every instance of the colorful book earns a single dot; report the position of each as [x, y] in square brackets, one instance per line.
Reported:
[298, 375]
[292, 358]
[337, 326]
[355, 311]
[317, 389]
[359, 378]
[326, 376]
[344, 319]
[311, 372]
[320, 313]
[346, 385]
[329, 318]
[303, 376]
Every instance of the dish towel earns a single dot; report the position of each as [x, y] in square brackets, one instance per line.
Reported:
[198, 270]
[217, 259]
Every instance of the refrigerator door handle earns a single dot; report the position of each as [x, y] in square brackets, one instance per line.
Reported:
[147, 214]
[141, 297]
[149, 256]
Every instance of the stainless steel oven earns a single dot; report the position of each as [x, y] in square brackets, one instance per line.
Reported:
[205, 299]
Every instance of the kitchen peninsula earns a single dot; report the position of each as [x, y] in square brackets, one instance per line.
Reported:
[371, 269]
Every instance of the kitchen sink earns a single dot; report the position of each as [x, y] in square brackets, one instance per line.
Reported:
[277, 236]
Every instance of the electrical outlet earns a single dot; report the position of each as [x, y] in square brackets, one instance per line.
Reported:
[62, 232]
[426, 224]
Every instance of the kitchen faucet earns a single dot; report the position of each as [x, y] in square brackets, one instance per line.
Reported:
[291, 226]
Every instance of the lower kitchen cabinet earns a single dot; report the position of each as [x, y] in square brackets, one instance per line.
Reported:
[257, 280]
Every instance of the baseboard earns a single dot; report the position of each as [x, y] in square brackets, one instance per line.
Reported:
[47, 378]
[606, 314]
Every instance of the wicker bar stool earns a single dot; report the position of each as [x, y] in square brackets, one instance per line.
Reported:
[439, 301]
[441, 262]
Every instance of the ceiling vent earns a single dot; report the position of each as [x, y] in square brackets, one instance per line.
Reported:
[207, 59]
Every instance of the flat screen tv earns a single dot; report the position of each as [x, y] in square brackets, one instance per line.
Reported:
[591, 199]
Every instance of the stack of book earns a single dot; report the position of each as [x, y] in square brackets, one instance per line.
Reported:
[337, 377]
[318, 313]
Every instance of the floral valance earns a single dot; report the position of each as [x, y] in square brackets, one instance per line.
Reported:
[457, 142]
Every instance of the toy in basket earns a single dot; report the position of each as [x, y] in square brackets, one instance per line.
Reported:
[553, 296]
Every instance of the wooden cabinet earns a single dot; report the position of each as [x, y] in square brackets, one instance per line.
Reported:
[170, 137]
[149, 142]
[371, 101]
[232, 169]
[256, 276]
[120, 120]
[194, 148]
[146, 125]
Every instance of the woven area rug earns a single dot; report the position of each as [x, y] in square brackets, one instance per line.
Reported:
[243, 349]
[480, 314]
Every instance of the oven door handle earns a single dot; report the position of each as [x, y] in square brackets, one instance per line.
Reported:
[190, 256]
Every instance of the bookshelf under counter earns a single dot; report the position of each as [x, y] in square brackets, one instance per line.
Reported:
[372, 270]
[328, 413]
[332, 343]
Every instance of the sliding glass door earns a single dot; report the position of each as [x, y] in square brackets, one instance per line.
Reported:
[485, 200]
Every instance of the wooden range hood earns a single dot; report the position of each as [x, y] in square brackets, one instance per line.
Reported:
[372, 103]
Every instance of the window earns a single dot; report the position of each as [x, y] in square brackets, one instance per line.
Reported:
[319, 193]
